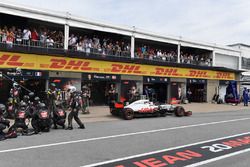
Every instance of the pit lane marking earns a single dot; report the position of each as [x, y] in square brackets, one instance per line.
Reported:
[219, 158]
[121, 135]
[114, 161]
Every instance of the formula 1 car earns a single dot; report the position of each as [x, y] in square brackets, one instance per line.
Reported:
[147, 108]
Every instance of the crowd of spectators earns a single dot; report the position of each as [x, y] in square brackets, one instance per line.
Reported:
[195, 59]
[146, 52]
[104, 46]
[101, 46]
[43, 37]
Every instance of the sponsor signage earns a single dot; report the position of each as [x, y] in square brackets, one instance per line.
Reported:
[193, 154]
[101, 77]
[155, 80]
[26, 74]
[196, 81]
[52, 63]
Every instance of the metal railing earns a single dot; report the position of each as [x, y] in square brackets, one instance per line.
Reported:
[54, 47]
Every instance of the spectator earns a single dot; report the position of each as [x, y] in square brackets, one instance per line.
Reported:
[19, 37]
[4, 34]
[59, 39]
[43, 38]
[72, 42]
[34, 37]
[1, 34]
[10, 38]
[50, 42]
[26, 36]
[80, 46]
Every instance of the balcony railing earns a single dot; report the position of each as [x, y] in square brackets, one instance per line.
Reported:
[41, 47]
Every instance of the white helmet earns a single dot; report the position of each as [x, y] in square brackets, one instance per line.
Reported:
[15, 84]
[72, 89]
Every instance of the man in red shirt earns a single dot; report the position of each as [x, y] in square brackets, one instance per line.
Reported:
[10, 38]
[34, 38]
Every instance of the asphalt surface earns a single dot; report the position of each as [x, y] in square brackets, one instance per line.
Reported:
[105, 141]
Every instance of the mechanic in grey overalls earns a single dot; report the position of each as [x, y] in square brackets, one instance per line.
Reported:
[85, 98]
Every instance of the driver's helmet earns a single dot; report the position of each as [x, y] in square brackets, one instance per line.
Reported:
[2, 108]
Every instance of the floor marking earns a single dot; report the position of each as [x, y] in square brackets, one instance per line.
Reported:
[219, 158]
[178, 147]
[121, 135]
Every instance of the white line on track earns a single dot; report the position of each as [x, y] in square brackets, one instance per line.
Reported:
[122, 135]
[173, 148]
[219, 158]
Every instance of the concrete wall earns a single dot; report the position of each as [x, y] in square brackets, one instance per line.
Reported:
[212, 86]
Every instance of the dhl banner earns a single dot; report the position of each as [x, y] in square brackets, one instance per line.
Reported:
[53, 63]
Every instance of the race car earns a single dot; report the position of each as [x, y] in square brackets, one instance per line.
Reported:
[147, 108]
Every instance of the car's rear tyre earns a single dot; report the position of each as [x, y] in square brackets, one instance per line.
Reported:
[179, 111]
[128, 114]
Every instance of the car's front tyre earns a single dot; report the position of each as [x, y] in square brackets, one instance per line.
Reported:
[128, 114]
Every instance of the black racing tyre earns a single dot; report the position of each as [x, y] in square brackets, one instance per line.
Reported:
[179, 111]
[128, 114]
[163, 113]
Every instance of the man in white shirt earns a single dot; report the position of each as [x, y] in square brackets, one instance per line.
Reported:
[26, 36]
[50, 42]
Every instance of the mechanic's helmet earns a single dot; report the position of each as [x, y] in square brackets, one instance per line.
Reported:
[31, 94]
[53, 85]
[2, 108]
[15, 85]
[72, 89]
[18, 70]
[26, 98]
[23, 104]
[37, 99]
[41, 105]
[10, 100]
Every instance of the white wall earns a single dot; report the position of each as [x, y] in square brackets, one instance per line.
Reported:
[226, 61]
